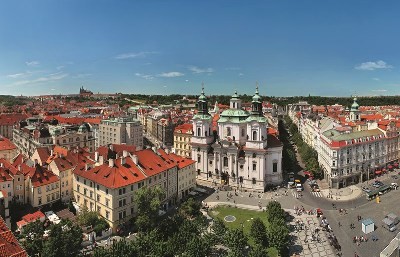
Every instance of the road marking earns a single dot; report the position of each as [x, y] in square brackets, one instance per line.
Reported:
[316, 194]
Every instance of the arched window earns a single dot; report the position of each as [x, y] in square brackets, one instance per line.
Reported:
[254, 135]
[243, 132]
[206, 133]
[198, 132]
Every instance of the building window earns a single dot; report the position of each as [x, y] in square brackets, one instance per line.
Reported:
[243, 133]
[107, 202]
[198, 132]
[107, 215]
[254, 166]
[39, 200]
[39, 190]
[275, 167]
[198, 158]
[254, 181]
[254, 135]
[228, 131]
[225, 161]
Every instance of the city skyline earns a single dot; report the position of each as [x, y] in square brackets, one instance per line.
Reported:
[291, 48]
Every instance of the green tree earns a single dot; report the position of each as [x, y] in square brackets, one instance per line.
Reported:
[258, 251]
[236, 241]
[278, 234]
[93, 219]
[258, 232]
[148, 201]
[190, 208]
[33, 238]
[198, 246]
[64, 240]
[219, 228]
[274, 211]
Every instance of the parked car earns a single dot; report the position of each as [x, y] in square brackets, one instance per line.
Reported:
[366, 189]
[299, 187]
[394, 177]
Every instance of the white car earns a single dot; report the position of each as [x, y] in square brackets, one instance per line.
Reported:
[299, 188]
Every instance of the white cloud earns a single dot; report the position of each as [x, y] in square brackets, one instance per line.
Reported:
[16, 75]
[144, 76]
[379, 90]
[47, 78]
[198, 70]
[171, 74]
[133, 55]
[52, 89]
[187, 80]
[373, 65]
[60, 67]
[241, 74]
[32, 63]
[376, 79]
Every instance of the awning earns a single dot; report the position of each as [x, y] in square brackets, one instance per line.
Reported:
[383, 170]
[378, 172]
[390, 167]
[396, 165]
[307, 173]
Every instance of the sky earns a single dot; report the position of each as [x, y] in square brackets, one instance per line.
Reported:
[327, 48]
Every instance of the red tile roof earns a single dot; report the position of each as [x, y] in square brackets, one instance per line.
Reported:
[30, 217]
[119, 175]
[39, 175]
[184, 128]
[43, 153]
[9, 167]
[6, 144]
[151, 163]
[9, 246]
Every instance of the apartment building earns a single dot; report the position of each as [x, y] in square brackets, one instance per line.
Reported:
[108, 185]
[28, 138]
[18, 188]
[182, 140]
[122, 130]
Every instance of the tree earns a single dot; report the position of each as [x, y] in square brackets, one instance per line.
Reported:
[219, 228]
[64, 240]
[118, 249]
[274, 211]
[197, 247]
[258, 251]
[33, 235]
[93, 219]
[190, 208]
[148, 201]
[236, 240]
[278, 234]
[258, 232]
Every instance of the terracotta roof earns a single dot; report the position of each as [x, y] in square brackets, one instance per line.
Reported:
[9, 167]
[43, 153]
[39, 175]
[152, 163]
[30, 217]
[119, 175]
[273, 141]
[9, 246]
[184, 129]
[4, 175]
[114, 149]
[6, 144]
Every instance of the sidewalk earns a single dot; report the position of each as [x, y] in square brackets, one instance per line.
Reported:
[343, 194]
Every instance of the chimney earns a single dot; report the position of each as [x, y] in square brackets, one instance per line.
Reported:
[101, 160]
[134, 159]
[167, 151]
[111, 147]
[51, 152]
[19, 167]
[154, 149]
[87, 166]
[96, 156]
[1, 165]
[123, 160]
[111, 163]
[125, 153]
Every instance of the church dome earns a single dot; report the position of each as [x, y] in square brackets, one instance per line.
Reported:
[354, 106]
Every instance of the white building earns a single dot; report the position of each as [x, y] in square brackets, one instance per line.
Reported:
[241, 153]
[123, 130]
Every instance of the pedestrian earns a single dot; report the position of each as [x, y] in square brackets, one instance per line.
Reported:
[339, 224]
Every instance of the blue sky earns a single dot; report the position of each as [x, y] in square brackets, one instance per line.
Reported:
[329, 48]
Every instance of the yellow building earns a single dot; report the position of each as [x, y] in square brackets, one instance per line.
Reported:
[182, 138]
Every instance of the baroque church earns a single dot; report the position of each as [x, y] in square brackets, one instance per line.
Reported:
[240, 153]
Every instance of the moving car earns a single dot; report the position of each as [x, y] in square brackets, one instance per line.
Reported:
[299, 187]
[315, 188]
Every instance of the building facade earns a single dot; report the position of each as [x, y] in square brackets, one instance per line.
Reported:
[182, 140]
[241, 153]
[123, 130]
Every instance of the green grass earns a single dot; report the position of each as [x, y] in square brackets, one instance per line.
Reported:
[244, 217]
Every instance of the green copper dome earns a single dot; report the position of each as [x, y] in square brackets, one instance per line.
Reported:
[354, 106]
[235, 95]
[256, 97]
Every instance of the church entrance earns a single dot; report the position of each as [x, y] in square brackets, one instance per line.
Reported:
[224, 178]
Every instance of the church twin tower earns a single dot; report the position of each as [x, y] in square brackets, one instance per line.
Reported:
[237, 151]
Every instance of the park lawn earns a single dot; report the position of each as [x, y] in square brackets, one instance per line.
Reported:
[242, 216]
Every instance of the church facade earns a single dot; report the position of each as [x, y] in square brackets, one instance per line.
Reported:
[239, 153]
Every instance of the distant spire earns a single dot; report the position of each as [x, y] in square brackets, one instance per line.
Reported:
[202, 88]
[256, 87]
